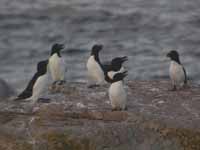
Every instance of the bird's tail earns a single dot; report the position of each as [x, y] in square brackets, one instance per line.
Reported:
[17, 99]
[21, 97]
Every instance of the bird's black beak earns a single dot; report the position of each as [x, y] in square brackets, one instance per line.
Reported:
[97, 47]
[62, 46]
[168, 55]
[123, 59]
[100, 47]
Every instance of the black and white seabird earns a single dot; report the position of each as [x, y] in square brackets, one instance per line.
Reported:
[57, 64]
[101, 72]
[114, 67]
[177, 72]
[37, 85]
[117, 93]
[94, 66]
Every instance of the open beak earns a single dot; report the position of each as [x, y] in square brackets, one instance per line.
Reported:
[62, 46]
[100, 47]
[168, 55]
[123, 59]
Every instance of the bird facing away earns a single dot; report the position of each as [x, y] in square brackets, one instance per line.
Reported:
[177, 72]
[57, 64]
[117, 93]
[94, 66]
[114, 67]
[37, 84]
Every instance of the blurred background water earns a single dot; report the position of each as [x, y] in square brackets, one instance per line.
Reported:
[142, 29]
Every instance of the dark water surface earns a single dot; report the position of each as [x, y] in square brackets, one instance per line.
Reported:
[144, 30]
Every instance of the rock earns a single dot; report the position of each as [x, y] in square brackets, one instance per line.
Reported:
[156, 119]
[5, 90]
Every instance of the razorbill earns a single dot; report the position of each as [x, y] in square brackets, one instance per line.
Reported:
[57, 64]
[117, 93]
[114, 67]
[94, 66]
[177, 72]
[37, 84]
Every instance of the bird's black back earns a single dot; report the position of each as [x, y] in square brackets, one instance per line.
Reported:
[185, 80]
[29, 89]
[95, 52]
[41, 70]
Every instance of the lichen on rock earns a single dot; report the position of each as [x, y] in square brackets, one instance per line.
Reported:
[156, 119]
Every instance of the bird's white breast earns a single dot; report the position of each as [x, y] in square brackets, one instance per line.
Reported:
[57, 67]
[176, 73]
[117, 95]
[94, 69]
[40, 86]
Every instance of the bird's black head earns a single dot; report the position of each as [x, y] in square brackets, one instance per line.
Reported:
[173, 55]
[42, 67]
[117, 63]
[56, 48]
[96, 49]
[119, 76]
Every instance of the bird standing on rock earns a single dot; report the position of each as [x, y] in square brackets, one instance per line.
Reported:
[177, 72]
[117, 93]
[37, 85]
[57, 64]
[94, 66]
[101, 72]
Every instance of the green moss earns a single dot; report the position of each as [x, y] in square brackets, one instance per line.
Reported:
[61, 141]
[188, 139]
[23, 146]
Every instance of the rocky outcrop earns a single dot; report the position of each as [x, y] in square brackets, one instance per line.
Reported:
[5, 90]
[78, 118]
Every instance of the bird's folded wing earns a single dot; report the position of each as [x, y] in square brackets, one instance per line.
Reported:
[185, 81]
[28, 90]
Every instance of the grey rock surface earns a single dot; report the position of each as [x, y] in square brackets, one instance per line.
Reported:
[78, 118]
[5, 90]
